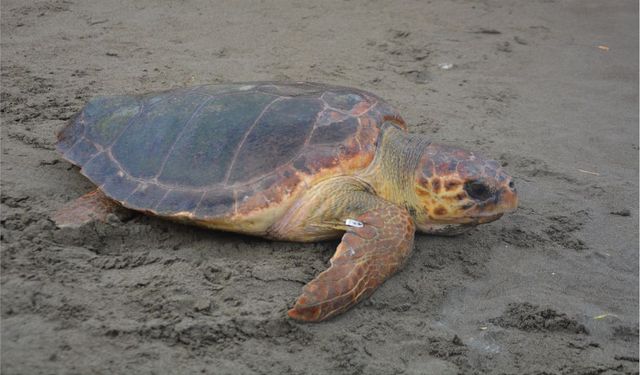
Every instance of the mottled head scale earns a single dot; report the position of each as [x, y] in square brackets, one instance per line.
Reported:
[457, 189]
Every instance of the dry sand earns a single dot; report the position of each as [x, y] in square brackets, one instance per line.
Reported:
[548, 87]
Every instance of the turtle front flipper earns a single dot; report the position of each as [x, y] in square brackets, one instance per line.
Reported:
[93, 206]
[375, 246]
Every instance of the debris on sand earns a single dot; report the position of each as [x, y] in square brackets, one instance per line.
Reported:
[623, 212]
[487, 31]
[589, 172]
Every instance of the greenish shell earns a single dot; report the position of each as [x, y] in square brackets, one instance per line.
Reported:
[207, 150]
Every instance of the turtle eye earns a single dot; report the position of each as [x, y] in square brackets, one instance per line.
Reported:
[477, 190]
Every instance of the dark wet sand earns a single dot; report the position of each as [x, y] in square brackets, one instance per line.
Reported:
[550, 88]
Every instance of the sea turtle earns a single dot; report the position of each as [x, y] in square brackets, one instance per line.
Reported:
[286, 161]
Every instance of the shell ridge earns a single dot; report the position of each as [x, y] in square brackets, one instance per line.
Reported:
[121, 168]
[77, 120]
[206, 101]
[195, 209]
[246, 135]
[81, 137]
[124, 128]
[306, 143]
[108, 153]
[77, 142]
[100, 152]
[132, 192]
[143, 106]
[155, 206]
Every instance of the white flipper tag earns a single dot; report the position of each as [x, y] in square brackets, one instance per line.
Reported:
[353, 223]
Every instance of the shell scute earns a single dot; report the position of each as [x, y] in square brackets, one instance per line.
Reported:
[215, 203]
[81, 151]
[344, 100]
[103, 171]
[335, 132]
[276, 139]
[109, 116]
[146, 196]
[207, 144]
[176, 201]
[153, 133]
[101, 168]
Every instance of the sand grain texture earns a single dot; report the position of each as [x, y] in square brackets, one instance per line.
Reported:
[551, 289]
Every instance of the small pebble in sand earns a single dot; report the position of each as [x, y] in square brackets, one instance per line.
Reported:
[623, 212]
[445, 66]
[457, 341]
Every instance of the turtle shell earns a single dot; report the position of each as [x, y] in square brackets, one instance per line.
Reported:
[215, 151]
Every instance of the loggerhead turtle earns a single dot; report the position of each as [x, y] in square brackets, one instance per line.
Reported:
[286, 161]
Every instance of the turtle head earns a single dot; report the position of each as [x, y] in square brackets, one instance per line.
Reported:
[458, 189]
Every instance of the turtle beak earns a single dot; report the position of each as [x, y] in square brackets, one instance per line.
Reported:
[505, 201]
[509, 198]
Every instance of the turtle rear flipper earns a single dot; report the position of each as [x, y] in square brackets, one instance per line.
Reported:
[93, 206]
[373, 249]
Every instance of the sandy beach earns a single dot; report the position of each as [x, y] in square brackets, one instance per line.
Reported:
[549, 88]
